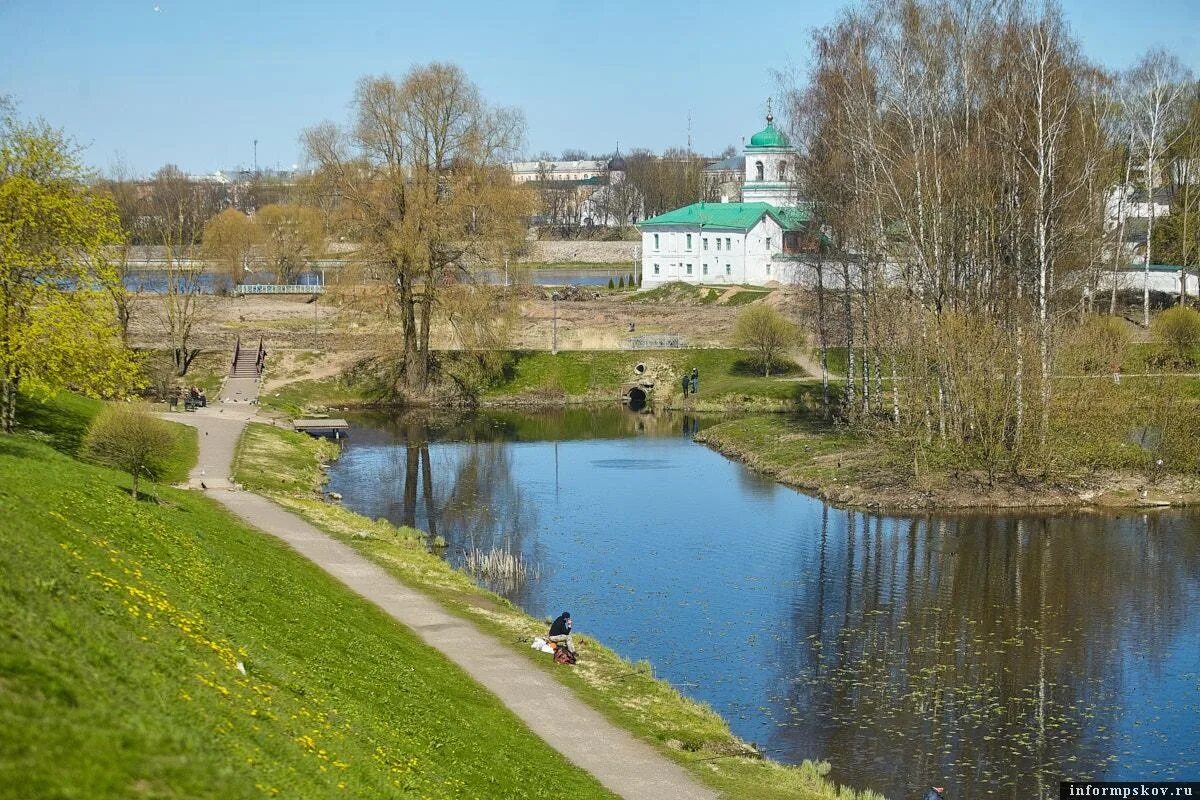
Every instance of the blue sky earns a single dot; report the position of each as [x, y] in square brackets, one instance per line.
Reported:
[196, 81]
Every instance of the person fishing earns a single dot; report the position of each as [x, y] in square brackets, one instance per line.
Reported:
[934, 793]
[560, 631]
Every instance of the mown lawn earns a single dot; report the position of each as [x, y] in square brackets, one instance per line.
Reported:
[626, 693]
[163, 649]
[62, 422]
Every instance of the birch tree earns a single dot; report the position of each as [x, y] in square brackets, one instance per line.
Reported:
[1155, 96]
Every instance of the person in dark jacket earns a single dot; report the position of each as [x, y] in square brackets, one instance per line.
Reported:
[686, 383]
[560, 631]
[695, 380]
[934, 793]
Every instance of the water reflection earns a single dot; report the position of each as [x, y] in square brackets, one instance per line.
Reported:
[997, 654]
[993, 652]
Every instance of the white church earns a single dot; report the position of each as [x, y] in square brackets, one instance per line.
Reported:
[752, 242]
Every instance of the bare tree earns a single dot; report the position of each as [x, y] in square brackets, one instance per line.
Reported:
[178, 209]
[229, 240]
[1155, 94]
[424, 189]
[291, 237]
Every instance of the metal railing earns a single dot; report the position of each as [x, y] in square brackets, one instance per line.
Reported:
[278, 288]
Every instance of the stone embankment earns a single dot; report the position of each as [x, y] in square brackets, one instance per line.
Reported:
[584, 252]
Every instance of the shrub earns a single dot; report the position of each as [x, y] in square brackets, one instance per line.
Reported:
[629, 281]
[130, 438]
[610, 284]
[1099, 343]
[620, 282]
[1177, 331]
[767, 332]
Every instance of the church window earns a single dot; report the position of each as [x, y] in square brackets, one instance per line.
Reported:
[689, 241]
[768, 242]
[656, 269]
[758, 170]
[705, 240]
[768, 269]
[656, 244]
[718, 242]
[727, 245]
[704, 269]
[689, 269]
[783, 170]
[728, 270]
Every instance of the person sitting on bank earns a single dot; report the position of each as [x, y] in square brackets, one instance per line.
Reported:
[560, 631]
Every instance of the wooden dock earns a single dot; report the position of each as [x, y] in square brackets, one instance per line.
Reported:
[334, 428]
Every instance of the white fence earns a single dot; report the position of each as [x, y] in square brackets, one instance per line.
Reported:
[278, 288]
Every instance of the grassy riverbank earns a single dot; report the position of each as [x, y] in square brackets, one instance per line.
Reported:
[627, 693]
[847, 469]
[728, 382]
[164, 649]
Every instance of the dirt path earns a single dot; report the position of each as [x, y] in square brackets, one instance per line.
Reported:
[626, 766]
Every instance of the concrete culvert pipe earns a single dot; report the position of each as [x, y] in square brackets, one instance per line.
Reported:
[636, 397]
[639, 368]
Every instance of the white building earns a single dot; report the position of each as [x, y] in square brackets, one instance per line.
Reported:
[525, 171]
[753, 242]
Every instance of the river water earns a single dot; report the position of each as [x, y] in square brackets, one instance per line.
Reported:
[995, 653]
[213, 282]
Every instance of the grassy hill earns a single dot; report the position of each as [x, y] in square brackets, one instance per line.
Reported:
[162, 649]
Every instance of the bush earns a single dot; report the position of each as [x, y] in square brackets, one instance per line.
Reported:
[610, 284]
[629, 281]
[1177, 332]
[767, 332]
[1098, 344]
[130, 438]
[620, 282]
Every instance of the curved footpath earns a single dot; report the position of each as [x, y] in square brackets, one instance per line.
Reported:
[625, 765]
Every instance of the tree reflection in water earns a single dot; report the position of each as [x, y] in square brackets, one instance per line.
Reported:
[990, 653]
[995, 653]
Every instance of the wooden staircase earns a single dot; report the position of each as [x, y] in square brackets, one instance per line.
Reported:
[245, 373]
[247, 363]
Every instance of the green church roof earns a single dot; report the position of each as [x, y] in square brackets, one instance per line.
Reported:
[734, 216]
[769, 137]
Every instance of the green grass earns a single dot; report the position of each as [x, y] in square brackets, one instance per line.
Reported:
[302, 397]
[743, 297]
[272, 460]
[727, 378]
[62, 420]
[802, 451]
[628, 694]
[125, 622]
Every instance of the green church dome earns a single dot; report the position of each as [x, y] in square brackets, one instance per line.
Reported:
[769, 137]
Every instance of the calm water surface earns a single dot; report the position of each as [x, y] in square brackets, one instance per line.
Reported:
[996, 653]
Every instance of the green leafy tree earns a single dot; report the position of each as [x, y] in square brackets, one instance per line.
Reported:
[130, 438]
[762, 329]
[57, 327]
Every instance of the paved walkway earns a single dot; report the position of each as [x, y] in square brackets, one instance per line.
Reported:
[239, 390]
[625, 765]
